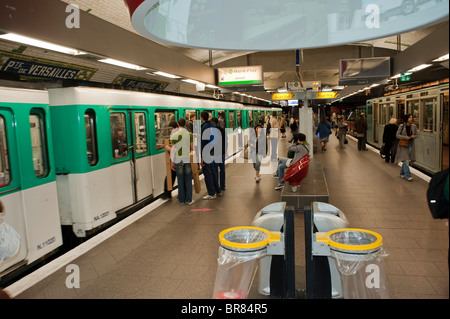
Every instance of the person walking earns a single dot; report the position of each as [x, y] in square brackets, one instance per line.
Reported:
[406, 150]
[342, 132]
[258, 149]
[274, 128]
[389, 140]
[361, 132]
[324, 131]
[283, 126]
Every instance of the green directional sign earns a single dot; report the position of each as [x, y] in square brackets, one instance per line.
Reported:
[405, 77]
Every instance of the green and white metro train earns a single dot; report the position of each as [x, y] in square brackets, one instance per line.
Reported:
[430, 109]
[78, 158]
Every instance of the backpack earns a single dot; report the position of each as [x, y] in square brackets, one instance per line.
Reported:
[437, 202]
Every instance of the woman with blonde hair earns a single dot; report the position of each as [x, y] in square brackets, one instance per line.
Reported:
[389, 140]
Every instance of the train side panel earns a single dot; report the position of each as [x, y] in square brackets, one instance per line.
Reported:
[29, 214]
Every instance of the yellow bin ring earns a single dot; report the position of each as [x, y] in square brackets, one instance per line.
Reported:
[242, 233]
[327, 238]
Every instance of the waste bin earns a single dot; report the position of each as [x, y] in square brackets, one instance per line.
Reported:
[359, 258]
[240, 249]
[326, 218]
[271, 218]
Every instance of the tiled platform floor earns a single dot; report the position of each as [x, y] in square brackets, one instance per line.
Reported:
[171, 252]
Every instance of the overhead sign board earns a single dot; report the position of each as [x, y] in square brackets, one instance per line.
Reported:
[327, 95]
[243, 75]
[365, 68]
[283, 96]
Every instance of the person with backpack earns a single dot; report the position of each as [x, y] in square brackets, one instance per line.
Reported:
[299, 149]
[324, 131]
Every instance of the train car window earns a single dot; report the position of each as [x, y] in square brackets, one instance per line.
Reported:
[38, 143]
[413, 107]
[428, 115]
[383, 114]
[119, 138]
[162, 120]
[231, 123]
[140, 133]
[239, 119]
[222, 118]
[5, 171]
[91, 137]
[250, 118]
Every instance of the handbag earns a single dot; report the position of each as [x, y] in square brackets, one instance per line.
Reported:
[403, 143]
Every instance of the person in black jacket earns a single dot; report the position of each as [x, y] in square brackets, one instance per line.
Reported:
[221, 165]
[389, 140]
[208, 161]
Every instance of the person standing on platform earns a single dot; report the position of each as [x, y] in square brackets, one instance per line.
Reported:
[324, 131]
[207, 153]
[406, 131]
[258, 148]
[182, 141]
[361, 132]
[221, 165]
[342, 132]
[274, 129]
[389, 140]
[283, 126]
[168, 194]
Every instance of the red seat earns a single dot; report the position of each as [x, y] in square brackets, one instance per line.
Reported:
[297, 172]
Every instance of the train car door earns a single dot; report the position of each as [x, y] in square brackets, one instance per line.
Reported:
[140, 157]
[13, 244]
[444, 107]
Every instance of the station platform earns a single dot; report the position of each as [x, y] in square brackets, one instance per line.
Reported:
[168, 251]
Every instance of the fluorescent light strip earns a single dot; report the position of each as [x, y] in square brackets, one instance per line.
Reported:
[442, 58]
[40, 44]
[167, 75]
[190, 81]
[419, 67]
[123, 64]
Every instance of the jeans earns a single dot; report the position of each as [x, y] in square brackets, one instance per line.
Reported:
[280, 169]
[184, 175]
[257, 162]
[273, 148]
[405, 166]
[221, 168]
[210, 173]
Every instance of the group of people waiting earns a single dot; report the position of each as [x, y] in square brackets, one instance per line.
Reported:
[213, 165]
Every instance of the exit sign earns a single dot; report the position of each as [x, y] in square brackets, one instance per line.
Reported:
[405, 77]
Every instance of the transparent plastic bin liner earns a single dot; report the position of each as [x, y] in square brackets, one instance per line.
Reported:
[239, 253]
[235, 273]
[362, 270]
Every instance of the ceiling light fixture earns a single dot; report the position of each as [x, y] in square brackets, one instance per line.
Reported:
[40, 44]
[419, 67]
[442, 58]
[167, 75]
[123, 64]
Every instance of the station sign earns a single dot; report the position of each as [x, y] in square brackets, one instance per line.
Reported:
[244, 75]
[327, 95]
[29, 67]
[283, 96]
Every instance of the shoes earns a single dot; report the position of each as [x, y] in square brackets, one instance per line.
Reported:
[207, 197]
[257, 179]
[189, 203]
[279, 186]
[219, 194]
[402, 176]
[274, 175]
[182, 204]
[410, 179]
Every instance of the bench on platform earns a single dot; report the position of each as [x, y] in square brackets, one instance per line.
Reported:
[313, 188]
